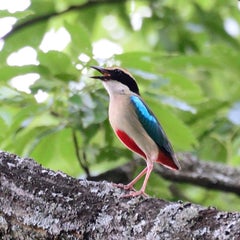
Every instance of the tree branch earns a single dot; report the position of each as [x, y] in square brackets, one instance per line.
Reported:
[36, 203]
[82, 160]
[207, 174]
[204, 173]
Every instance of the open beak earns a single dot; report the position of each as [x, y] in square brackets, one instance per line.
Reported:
[105, 73]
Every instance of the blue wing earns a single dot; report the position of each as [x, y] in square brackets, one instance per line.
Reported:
[151, 125]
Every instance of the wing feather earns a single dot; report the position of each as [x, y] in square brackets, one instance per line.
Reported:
[152, 125]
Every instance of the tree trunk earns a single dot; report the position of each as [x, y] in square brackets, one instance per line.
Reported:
[37, 203]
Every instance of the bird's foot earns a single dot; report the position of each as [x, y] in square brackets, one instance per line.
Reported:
[134, 194]
[125, 187]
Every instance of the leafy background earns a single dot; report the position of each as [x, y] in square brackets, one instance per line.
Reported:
[184, 55]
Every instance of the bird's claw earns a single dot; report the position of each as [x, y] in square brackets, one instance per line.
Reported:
[125, 187]
[134, 194]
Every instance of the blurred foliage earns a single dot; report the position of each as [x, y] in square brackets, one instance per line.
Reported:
[184, 55]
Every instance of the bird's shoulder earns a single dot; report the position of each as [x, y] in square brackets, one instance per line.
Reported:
[142, 110]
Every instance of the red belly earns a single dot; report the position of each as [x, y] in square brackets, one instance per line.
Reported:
[130, 143]
[162, 158]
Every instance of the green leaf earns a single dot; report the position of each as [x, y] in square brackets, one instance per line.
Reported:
[56, 151]
[183, 62]
[62, 5]
[28, 36]
[8, 93]
[80, 39]
[18, 15]
[182, 87]
[59, 64]
[138, 60]
[8, 72]
[24, 116]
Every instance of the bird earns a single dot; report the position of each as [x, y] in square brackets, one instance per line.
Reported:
[135, 124]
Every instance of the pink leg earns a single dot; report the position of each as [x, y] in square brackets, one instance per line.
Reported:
[143, 172]
[130, 185]
[148, 171]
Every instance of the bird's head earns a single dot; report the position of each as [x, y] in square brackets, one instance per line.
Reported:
[116, 79]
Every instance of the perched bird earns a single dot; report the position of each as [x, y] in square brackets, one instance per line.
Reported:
[135, 124]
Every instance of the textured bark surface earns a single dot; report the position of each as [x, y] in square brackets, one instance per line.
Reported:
[37, 203]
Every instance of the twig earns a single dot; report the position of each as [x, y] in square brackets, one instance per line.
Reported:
[82, 160]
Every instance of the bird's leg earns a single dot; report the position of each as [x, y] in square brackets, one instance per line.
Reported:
[130, 185]
[148, 171]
